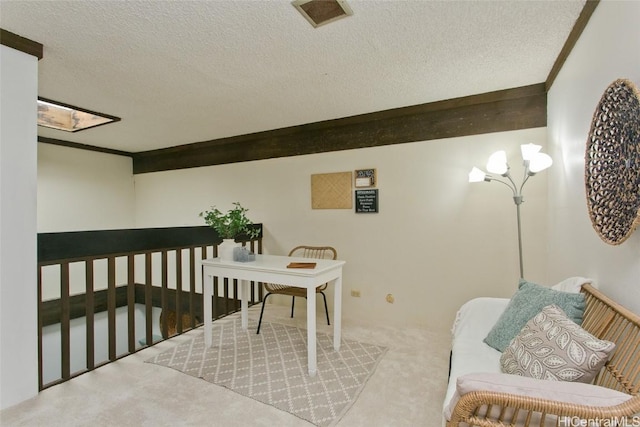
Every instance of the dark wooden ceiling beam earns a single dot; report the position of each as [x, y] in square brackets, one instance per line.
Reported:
[505, 110]
[574, 35]
[65, 143]
[20, 43]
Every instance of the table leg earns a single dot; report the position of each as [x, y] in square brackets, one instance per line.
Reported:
[207, 294]
[244, 303]
[337, 313]
[311, 331]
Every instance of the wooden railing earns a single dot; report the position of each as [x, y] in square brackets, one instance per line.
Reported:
[125, 274]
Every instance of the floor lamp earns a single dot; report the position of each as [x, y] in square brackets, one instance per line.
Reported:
[534, 162]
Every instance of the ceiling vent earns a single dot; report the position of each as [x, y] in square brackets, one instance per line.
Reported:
[320, 12]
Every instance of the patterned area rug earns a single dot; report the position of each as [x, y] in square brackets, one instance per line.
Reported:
[272, 367]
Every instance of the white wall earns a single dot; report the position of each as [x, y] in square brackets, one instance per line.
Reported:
[18, 307]
[607, 50]
[83, 190]
[436, 242]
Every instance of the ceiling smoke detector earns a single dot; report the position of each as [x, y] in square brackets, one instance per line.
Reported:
[320, 12]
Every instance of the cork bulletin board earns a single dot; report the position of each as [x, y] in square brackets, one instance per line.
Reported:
[331, 190]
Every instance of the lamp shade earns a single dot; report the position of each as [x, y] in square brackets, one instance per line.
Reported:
[476, 175]
[497, 163]
[529, 151]
[540, 162]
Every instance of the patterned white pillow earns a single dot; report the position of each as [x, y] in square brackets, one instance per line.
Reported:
[553, 347]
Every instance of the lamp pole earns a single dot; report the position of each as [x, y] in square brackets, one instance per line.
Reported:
[517, 199]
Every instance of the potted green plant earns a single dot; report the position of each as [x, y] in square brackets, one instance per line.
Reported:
[229, 226]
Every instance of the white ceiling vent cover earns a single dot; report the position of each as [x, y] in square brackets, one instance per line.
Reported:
[320, 12]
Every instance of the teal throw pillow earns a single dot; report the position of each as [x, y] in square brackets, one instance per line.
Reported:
[528, 301]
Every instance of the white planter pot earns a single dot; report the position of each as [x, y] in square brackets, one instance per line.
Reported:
[225, 249]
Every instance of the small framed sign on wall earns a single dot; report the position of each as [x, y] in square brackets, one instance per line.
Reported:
[367, 201]
[365, 178]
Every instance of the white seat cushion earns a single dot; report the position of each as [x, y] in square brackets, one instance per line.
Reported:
[470, 354]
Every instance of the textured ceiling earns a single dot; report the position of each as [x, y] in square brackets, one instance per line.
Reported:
[178, 72]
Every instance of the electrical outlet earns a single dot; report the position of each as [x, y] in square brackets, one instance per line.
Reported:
[355, 293]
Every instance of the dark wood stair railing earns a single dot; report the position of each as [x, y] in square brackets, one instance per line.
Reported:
[91, 249]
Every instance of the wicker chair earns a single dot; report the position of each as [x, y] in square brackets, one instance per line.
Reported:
[317, 252]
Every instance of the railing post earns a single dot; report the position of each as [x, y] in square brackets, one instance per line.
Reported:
[163, 297]
[89, 313]
[65, 324]
[192, 285]
[131, 303]
[148, 299]
[111, 306]
[179, 325]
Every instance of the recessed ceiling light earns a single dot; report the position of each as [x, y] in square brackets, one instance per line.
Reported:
[55, 115]
[320, 12]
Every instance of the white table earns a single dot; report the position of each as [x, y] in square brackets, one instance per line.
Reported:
[273, 269]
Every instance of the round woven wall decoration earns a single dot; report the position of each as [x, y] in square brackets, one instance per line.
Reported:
[612, 163]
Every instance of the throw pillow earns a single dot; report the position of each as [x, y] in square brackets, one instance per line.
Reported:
[526, 303]
[552, 347]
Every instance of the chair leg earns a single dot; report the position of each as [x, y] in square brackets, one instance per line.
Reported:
[264, 302]
[326, 309]
[293, 301]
